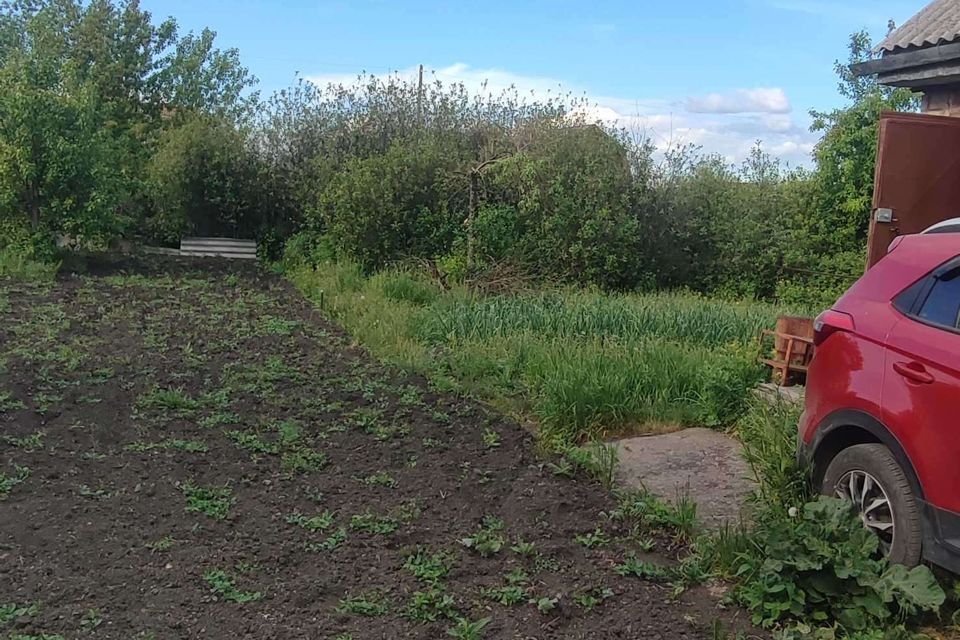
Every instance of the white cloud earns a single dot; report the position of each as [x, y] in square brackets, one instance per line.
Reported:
[761, 100]
[736, 121]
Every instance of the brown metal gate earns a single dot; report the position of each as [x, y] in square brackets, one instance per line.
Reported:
[917, 181]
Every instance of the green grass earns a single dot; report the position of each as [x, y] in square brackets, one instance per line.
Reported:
[17, 264]
[581, 364]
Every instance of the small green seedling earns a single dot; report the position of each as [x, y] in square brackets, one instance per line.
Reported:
[466, 630]
[593, 539]
[214, 502]
[320, 522]
[491, 439]
[367, 604]
[488, 540]
[223, 585]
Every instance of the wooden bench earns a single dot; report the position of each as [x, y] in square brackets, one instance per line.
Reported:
[219, 248]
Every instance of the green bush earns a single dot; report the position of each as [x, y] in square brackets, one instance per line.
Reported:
[306, 248]
[823, 565]
[204, 181]
[816, 284]
[386, 207]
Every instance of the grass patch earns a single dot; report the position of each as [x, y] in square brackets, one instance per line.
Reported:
[20, 265]
[585, 365]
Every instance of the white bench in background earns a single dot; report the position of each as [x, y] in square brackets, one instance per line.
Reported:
[219, 248]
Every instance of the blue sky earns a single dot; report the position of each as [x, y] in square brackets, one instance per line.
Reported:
[720, 74]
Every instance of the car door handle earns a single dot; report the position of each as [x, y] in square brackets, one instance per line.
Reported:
[913, 371]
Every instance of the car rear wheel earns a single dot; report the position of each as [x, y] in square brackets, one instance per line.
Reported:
[868, 476]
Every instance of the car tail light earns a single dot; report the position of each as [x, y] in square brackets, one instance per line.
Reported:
[830, 322]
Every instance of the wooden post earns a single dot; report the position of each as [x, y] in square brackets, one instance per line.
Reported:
[471, 216]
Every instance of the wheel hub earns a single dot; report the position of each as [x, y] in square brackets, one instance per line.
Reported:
[870, 499]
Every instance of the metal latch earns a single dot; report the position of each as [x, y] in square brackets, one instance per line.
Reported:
[884, 215]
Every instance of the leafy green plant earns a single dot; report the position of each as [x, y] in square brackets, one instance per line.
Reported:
[632, 566]
[33, 442]
[468, 630]
[488, 539]
[593, 539]
[175, 401]
[524, 548]
[368, 604]
[824, 565]
[163, 544]
[592, 598]
[336, 539]
[380, 479]
[430, 606]
[427, 567]
[214, 502]
[91, 619]
[546, 604]
[8, 482]
[9, 404]
[10, 612]
[189, 446]
[507, 595]
[369, 522]
[491, 439]
[320, 522]
[224, 586]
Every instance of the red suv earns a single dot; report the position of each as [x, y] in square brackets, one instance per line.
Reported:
[881, 425]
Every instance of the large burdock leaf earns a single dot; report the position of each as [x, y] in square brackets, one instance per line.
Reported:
[913, 589]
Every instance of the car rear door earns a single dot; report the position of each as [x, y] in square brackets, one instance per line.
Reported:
[921, 383]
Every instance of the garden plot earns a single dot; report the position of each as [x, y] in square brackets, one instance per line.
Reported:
[188, 450]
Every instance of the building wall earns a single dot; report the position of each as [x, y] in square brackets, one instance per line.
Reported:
[942, 101]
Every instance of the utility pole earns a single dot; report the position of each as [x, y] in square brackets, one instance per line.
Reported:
[420, 97]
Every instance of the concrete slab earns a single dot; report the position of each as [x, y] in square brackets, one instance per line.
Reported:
[704, 463]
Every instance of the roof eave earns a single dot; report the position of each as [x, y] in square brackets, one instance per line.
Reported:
[902, 61]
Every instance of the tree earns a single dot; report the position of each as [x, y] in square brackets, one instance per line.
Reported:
[846, 154]
[57, 152]
[86, 88]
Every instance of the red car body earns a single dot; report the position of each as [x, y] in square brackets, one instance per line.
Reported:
[886, 371]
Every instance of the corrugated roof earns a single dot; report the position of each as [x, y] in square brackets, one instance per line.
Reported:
[937, 23]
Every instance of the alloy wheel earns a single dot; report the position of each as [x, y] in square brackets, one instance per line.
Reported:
[871, 501]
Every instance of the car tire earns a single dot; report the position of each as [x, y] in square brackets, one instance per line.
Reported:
[850, 469]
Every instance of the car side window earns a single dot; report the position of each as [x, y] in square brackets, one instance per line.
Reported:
[942, 305]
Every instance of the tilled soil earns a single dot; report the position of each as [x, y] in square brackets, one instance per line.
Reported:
[189, 450]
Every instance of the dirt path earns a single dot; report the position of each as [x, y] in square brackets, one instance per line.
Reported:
[192, 452]
[703, 465]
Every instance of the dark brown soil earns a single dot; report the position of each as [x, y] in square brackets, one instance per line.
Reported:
[233, 350]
